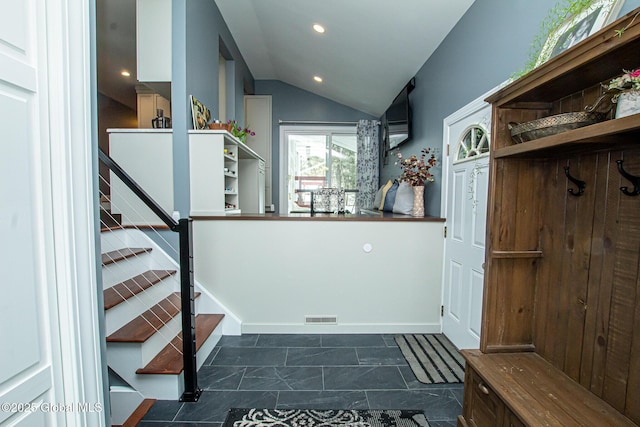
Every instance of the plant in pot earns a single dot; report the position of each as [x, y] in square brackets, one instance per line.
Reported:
[240, 132]
[627, 97]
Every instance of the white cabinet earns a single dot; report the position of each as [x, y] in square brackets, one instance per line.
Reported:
[252, 185]
[218, 165]
[257, 116]
[153, 36]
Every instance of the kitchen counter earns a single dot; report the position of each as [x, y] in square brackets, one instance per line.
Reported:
[362, 216]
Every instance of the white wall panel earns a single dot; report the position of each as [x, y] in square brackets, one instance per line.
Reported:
[272, 274]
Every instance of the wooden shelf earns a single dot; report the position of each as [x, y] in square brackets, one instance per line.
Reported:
[594, 60]
[230, 175]
[230, 158]
[561, 283]
[611, 132]
[515, 254]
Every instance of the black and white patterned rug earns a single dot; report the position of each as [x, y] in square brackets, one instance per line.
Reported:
[432, 358]
[238, 417]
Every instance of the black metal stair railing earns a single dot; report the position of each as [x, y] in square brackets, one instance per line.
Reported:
[184, 229]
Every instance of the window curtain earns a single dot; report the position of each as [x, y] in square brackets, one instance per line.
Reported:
[368, 164]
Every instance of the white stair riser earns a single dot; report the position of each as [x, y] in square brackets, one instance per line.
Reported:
[146, 351]
[117, 272]
[128, 310]
[123, 238]
[164, 387]
[123, 402]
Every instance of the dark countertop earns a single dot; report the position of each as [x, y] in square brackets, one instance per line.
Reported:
[363, 216]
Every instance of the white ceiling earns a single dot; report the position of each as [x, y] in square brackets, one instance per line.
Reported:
[370, 50]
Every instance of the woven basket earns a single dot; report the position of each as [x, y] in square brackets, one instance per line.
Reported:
[552, 125]
[220, 126]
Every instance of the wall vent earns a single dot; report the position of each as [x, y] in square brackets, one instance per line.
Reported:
[321, 320]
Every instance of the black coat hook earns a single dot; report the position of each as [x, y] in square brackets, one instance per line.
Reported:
[580, 184]
[635, 180]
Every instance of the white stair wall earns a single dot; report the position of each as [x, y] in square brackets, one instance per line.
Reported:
[120, 238]
[126, 358]
[124, 401]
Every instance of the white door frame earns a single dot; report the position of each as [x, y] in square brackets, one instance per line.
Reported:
[58, 56]
[449, 145]
[471, 108]
[72, 123]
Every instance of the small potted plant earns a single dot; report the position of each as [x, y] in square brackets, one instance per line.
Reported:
[239, 132]
[627, 97]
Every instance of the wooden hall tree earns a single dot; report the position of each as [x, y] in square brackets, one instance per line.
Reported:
[560, 342]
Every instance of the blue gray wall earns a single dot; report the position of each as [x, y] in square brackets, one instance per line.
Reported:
[290, 103]
[484, 49]
[197, 30]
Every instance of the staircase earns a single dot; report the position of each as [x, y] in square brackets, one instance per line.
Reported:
[142, 315]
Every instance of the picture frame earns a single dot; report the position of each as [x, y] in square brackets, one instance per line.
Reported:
[200, 114]
[579, 27]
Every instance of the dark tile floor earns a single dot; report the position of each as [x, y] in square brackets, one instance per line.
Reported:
[308, 371]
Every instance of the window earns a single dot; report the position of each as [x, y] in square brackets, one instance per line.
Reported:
[474, 142]
[313, 158]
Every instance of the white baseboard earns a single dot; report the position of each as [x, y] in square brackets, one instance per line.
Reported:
[347, 328]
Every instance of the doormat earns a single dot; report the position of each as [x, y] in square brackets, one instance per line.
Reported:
[238, 417]
[432, 358]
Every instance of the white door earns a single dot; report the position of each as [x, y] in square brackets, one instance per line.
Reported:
[48, 371]
[467, 177]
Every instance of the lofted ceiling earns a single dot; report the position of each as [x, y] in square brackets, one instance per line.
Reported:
[369, 51]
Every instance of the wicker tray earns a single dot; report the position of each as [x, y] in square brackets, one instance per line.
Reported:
[552, 125]
[220, 126]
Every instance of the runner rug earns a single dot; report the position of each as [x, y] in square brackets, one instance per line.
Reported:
[327, 418]
[432, 358]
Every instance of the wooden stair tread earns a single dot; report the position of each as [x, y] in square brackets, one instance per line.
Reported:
[104, 228]
[169, 360]
[120, 254]
[539, 393]
[130, 287]
[144, 326]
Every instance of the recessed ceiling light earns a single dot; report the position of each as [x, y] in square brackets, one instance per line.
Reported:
[125, 73]
[318, 28]
[318, 79]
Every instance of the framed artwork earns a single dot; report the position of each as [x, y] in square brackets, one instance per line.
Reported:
[579, 27]
[199, 113]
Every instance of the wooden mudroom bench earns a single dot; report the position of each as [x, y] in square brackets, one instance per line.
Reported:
[560, 337]
[523, 389]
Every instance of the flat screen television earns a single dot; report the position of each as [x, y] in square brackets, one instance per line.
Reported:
[398, 118]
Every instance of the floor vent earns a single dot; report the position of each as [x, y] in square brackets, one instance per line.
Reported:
[321, 320]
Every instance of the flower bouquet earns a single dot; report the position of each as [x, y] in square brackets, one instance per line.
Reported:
[627, 97]
[629, 80]
[415, 170]
[240, 132]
